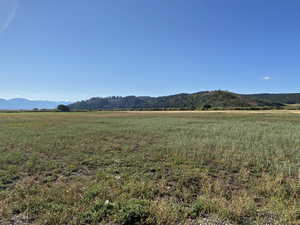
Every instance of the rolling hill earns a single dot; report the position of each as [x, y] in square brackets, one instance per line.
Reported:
[199, 100]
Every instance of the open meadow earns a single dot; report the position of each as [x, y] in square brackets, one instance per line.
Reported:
[160, 168]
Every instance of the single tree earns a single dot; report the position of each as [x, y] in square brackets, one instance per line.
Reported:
[206, 107]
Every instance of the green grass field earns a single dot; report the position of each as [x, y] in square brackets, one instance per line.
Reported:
[189, 168]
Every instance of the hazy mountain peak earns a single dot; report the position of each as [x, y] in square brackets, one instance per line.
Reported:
[26, 104]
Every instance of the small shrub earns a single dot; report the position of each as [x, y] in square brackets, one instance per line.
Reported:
[134, 212]
[201, 207]
[98, 212]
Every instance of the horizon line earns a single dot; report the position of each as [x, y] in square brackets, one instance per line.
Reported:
[154, 96]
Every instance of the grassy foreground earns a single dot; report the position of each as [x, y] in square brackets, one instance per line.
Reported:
[150, 168]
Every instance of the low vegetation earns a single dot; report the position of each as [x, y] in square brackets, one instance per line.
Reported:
[157, 168]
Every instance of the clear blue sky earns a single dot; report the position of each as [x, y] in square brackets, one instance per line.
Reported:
[75, 49]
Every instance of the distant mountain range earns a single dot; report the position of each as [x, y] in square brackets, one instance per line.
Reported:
[25, 104]
[199, 100]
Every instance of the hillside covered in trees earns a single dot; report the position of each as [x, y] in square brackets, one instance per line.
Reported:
[199, 100]
[282, 98]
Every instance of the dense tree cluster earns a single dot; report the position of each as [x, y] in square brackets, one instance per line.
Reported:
[63, 108]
